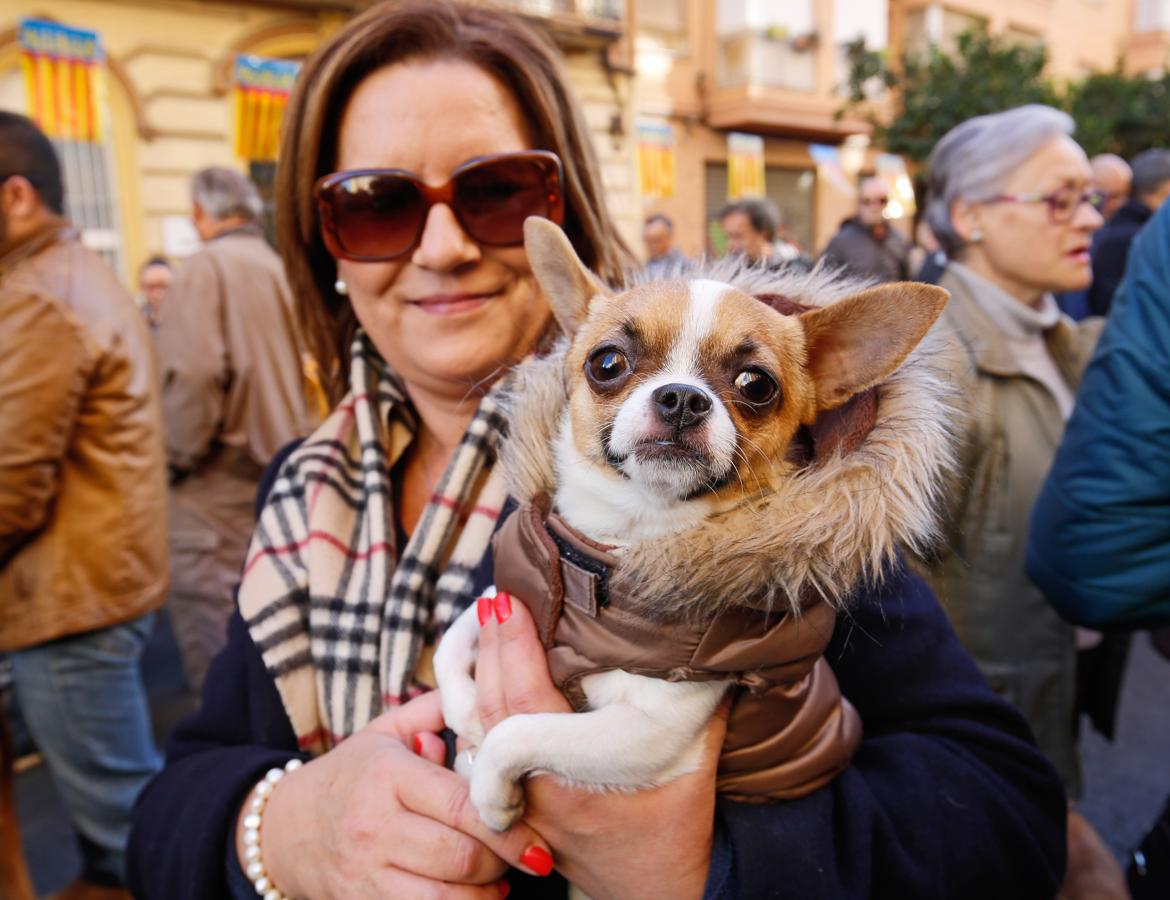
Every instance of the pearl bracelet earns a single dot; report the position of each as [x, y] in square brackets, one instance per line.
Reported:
[253, 861]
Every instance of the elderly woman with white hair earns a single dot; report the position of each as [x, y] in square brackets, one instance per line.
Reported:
[1009, 200]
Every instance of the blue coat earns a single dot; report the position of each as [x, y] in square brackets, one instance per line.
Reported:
[1099, 544]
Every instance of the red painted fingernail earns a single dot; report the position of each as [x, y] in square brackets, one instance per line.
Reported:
[538, 860]
[483, 609]
[504, 888]
[503, 604]
[416, 741]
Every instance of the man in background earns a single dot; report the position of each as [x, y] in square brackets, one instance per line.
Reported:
[233, 394]
[752, 226]
[1111, 179]
[866, 245]
[1151, 186]
[662, 257]
[154, 278]
[82, 507]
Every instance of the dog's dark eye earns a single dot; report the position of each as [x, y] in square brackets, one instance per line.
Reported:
[755, 386]
[607, 366]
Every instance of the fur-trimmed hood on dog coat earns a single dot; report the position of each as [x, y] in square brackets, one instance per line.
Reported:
[751, 595]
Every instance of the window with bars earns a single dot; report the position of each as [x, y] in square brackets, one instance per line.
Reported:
[90, 199]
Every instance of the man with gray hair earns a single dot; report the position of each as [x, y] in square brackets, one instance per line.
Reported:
[233, 393]
[1112, 179]
[1151, 186]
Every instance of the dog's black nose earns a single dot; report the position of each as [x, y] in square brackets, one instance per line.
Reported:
[682, 405]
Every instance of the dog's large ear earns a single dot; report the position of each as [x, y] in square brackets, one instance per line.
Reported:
[567, 284]
[860, 341]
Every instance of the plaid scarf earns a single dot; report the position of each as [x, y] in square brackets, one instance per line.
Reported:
[339, 620]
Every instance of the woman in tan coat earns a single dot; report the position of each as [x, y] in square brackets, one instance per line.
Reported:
[1009, 200]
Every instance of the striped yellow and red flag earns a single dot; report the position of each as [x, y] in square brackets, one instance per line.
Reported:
[745, 165]
[63, 71]
[261, 94]
[656, 159]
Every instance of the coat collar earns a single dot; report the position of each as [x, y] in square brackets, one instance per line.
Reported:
[54, 230]
[991, 352]
[832, 524]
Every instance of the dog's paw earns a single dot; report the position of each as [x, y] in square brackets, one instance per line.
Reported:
[461, 713]
[499, 802]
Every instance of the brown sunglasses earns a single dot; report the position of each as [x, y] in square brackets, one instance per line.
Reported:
[372, 215]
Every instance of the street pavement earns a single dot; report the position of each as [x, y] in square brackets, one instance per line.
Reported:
[1127, 782]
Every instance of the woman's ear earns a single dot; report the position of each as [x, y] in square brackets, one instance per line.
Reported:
[967, 218]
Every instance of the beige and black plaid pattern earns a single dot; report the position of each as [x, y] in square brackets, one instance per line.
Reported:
[339, 619]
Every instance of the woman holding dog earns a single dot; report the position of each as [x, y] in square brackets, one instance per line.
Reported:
[418, 140]
[1009, 199]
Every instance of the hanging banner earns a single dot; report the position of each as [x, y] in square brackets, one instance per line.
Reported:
[828, 162]
[891, 169]
[745, 165]
[261, 94]
[656, 160]
[63, 71]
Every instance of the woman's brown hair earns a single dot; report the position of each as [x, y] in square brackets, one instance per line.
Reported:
[495, 41]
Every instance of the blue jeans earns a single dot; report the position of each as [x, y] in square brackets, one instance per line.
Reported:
[85, 706]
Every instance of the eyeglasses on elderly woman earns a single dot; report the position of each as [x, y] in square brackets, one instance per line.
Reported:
[375, 215]
[1063, 203]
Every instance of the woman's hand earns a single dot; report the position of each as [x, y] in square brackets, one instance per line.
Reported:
[371, 818]
[653, 843]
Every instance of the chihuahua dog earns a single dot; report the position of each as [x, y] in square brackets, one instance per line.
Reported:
[670, 415]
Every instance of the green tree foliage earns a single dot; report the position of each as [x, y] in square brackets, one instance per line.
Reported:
[935, 91]
[1118, 113]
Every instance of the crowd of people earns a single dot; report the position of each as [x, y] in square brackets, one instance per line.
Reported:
[291, 454]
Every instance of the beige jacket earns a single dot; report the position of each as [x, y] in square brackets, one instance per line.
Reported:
[230, 356]
[1010, 425]
[233, 394]
[82, 484]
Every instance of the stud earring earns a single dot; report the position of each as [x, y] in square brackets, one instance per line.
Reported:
[976, 236]
[341, 287]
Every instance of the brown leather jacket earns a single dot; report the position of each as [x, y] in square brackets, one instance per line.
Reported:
[82, 483]
[790, 731]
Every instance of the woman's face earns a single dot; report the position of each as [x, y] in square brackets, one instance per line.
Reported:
[1025, 251]
[450, 314]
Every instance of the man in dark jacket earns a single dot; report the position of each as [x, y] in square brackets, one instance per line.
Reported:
[866, 245]
[1151, 185]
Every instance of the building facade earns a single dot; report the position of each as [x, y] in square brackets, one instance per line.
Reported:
[695, 70]
[169, 83]
[706, 67]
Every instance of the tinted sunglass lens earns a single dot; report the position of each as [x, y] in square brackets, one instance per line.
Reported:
[377, 216]
[494, 199]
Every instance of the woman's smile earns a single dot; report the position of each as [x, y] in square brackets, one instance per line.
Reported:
[453, 304]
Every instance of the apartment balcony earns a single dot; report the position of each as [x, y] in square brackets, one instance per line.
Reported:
[769, 82]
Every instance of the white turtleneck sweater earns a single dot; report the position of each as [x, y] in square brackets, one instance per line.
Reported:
[1024, 326]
